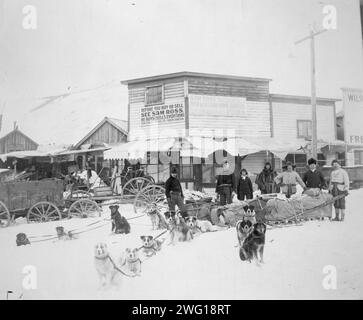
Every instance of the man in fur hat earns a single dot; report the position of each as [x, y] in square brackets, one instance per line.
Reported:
[265, 180]
[313, 178]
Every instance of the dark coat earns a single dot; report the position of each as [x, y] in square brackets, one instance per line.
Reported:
[265, 181]
[225, 179]
[173, 184]
[244, 187]
[314, 179]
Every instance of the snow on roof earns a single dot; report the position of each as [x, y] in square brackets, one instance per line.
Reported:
[67, 119]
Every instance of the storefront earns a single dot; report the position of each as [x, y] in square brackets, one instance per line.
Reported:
[220, 116]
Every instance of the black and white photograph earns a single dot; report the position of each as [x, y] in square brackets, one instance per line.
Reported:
[181, 150]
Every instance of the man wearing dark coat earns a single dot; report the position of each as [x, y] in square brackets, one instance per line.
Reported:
[265, 180]
[174, 193]
[225, 185]
[244, 186]
[313, 178]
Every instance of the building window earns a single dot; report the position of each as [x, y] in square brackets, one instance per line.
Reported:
[304, 129]
[154, 95]
[186, 172]
[358, 157]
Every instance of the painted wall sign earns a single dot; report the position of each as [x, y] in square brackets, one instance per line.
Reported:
[162, 113]
[353, 110]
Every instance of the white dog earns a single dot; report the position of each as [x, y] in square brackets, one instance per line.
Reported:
[104, 265]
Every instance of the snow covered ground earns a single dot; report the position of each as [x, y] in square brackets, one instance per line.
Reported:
[206, 268]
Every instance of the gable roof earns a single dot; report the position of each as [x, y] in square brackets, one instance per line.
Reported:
[120, 125]
[67, 120]
[18, 131]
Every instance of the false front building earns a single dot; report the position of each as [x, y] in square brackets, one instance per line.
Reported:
[218, 117]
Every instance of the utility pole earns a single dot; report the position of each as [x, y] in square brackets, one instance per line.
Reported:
[311, 36]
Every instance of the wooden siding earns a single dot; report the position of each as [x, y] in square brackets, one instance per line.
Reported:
[172, 89]
[252, 90]
[246, 118]
[16, 141]
[107, 133]
[285, 116]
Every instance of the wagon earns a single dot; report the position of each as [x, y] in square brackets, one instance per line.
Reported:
[40, 201]
[122, 187]
[153, 197]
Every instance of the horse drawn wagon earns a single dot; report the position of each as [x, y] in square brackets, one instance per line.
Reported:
[40, 201]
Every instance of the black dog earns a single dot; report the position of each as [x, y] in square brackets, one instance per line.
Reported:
[253, 246]
[22, 239]
[119, 223]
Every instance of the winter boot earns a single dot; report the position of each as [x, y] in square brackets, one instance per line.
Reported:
[343, 215]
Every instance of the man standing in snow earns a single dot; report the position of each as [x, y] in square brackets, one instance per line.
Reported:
[265, 180]
[313, 178]
[174, 192]
[225, 185]
[288, 180]
[339, 185]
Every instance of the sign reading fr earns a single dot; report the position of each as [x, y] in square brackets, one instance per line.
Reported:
[162, 113]
[353, 110]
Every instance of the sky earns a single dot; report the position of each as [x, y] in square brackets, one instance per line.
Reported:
[84, 48]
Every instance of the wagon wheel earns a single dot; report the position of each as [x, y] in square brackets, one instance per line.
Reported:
[150, 178]
[150, 198]
[84, 208]
[43, 211]
[4, 215]
[134, 186]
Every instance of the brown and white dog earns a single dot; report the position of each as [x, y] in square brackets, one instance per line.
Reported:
[150, 245]
[131, 260]
[157, 220]
[253, 246]
[178, 229]
[243, 227]
[199, 226]
[104, 265]
[249, 213]
[64, 235]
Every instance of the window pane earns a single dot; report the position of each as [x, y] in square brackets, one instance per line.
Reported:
[152, 170]
[154, 95]
[163, 172]
[187, 172]
[208, 174]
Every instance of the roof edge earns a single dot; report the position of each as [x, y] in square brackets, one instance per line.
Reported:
[192, 74]
[298, 97]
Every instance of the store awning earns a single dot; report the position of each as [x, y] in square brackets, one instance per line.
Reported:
[137, 149]
[279, 148]
[25, 154]
[204, 146]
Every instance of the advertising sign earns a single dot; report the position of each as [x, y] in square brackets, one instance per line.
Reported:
[353, 111]
[162, 114]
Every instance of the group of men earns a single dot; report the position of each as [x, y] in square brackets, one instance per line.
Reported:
[268, 181]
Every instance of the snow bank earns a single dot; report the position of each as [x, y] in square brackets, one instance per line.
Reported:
[206, 268]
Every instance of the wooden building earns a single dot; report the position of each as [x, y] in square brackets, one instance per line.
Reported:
[109, 131]
[188, 104]
[16, 141]
[291, 121]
